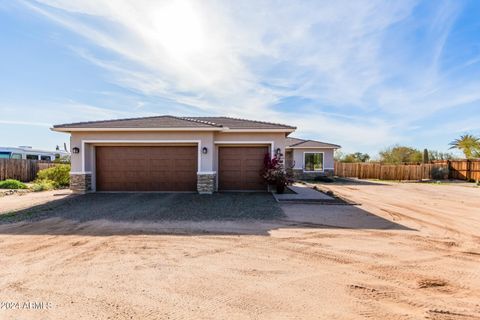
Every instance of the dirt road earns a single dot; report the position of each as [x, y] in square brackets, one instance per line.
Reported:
[408, 251]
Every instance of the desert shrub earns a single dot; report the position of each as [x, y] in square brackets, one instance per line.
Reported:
[43, 185]
[439, 173]
[12, 184]
[59, 175]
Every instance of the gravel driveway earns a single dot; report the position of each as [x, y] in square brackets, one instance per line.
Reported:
[129, 207]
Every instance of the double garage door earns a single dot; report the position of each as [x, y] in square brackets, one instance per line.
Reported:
[146, 168]
[174, 168]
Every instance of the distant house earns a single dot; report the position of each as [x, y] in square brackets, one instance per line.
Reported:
[27, 152]
[204, 154]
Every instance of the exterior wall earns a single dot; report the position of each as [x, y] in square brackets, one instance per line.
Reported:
[328, 163]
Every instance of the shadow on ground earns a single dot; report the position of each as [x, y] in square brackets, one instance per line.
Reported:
[104, 214]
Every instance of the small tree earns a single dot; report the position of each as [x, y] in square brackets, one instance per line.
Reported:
[338, 155]
[468, 144]
[274, 172]
[400, 154]
[356, 157]
[425, 156]
[437, 155]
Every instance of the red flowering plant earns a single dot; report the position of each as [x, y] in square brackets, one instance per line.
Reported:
[274, 172]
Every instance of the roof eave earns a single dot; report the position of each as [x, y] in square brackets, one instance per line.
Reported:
[329, 147]
[289, 130]
[67, 129]
[222, 129]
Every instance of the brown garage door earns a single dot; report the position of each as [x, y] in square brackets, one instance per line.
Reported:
[240, 168]
[160, 168]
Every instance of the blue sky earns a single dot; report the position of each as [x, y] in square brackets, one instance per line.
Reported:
[363, 74]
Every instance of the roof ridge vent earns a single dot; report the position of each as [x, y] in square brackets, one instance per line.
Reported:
[201, 121]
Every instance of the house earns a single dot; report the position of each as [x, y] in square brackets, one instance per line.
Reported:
[168, 153]
[27, 152]
[309, 159]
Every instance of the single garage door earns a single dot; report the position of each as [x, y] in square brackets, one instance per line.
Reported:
[240, 168]
[146, 168]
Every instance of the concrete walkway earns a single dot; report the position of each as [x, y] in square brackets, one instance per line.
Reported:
[303, 194]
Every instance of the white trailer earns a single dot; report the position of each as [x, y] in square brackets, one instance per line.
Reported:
[27, 152]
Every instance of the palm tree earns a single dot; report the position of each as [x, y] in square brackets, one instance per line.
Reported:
[468, 144]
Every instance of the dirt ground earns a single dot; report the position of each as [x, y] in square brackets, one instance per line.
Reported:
[25, 200]
[407, 251]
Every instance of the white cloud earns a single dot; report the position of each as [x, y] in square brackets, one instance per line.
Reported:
[61, 112]
[240, 58]
[25, 123]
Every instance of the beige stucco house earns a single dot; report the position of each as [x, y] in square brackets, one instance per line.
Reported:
[204, 154]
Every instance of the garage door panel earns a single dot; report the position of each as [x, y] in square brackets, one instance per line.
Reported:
[252, 164]
[253, 175]
[159, 174]
[183, 164]
[240, 168]
[230, 175]
[156, 164]
[230, 164]
[151, 168]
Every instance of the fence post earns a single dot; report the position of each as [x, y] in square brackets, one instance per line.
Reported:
[468, 174]
[449, 168]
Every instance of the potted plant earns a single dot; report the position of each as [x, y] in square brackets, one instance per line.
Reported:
[274, 173]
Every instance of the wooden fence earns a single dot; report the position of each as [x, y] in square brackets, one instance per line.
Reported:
[463, 169]
[23, 170]
[449, 169]
[391, 172]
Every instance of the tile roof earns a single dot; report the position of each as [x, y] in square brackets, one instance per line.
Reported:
[176, 122]
[301, 143]
[146, 122]
[236, 123]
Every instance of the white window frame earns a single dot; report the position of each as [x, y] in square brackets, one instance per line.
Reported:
[313, 152]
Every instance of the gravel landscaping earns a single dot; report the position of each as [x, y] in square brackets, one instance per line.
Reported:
[128, 207]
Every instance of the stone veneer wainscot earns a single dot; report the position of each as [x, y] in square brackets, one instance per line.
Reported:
[80, 182]
[299, 174]
[206, 183]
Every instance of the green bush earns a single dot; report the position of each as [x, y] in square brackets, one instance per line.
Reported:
[59, 175]
[12, 184]
[43, 185]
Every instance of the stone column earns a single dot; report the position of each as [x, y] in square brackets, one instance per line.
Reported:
[80, 182]
[206, 182]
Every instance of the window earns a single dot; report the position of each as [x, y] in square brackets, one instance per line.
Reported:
[313, 161]
[4, 155]
[47, 158]
[16, 156]
[32, 156]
